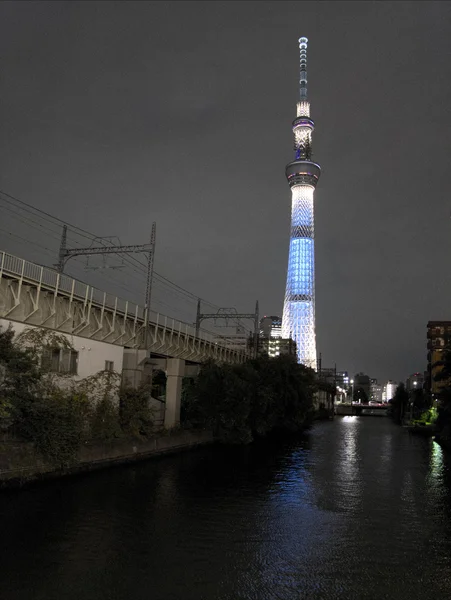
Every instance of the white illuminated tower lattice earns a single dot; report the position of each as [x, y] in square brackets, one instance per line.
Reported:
[298, 321]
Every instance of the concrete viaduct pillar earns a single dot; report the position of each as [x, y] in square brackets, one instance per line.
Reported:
[138, 368]
[175, 370]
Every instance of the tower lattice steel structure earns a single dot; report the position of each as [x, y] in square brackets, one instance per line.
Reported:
[298, 320]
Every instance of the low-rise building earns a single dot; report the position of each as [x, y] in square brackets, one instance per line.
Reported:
[438, 338]
[84, 358]
[361, 387]
[339, 380]
[278, 346]
[270, 327]
[375, 391]
[271, 341]
[388, 390]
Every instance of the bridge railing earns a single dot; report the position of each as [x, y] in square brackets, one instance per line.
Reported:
[24, 270]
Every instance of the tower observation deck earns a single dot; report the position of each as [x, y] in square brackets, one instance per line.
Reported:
[298, 321]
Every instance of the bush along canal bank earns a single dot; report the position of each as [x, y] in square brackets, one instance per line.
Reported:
[51, 425]
[240, 403]
[425, 414]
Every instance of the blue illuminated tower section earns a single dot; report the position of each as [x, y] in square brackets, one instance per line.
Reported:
[298, 320]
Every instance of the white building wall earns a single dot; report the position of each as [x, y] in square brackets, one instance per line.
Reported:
[91, 353]
[390, 389]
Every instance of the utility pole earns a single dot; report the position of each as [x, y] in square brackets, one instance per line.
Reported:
[256, 329]
[198, 319]
[150, 261]
[62, 251]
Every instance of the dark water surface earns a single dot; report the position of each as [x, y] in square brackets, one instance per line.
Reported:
[355, 509]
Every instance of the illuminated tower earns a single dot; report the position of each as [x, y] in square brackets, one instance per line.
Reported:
[298, 320]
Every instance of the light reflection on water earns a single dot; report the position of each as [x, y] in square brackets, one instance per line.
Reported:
[356, 508]
[436, 462]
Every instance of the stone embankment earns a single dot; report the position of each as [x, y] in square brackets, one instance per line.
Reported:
[20, 464]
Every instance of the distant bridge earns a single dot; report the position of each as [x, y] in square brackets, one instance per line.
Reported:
[40, 296]
[364, 410]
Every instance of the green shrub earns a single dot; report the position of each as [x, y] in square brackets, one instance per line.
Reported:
[56, 413]
[105, 425]
[241, 401]
[55, 426]
[136, 417]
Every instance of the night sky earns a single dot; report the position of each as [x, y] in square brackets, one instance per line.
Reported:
[114, 115]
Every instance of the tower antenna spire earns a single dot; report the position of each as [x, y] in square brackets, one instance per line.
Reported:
[303, 41]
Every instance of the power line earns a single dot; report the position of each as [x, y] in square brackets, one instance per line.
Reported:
[25, 240]
[86, 234]
[30, 222]
[83, 233]
[166, 286]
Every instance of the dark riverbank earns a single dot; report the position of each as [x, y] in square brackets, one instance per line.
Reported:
[21, 464]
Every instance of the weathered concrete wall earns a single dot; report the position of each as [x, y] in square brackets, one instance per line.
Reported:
[19, 463]
[175, 369]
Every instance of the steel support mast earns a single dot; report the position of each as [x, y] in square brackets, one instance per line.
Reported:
[298, 321]
[230, 314]
[66, 254]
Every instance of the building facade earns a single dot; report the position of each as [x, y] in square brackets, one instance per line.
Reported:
[362, 385]
[271, 341]
[438, 338]
[86, 357]
[298, 320]
[278, 346]
[270, 327]
[342, 379]
[375, 391]
[388, 390]
[337, 379]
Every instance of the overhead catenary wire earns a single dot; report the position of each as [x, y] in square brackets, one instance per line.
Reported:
[135, 265]
[88, 235]
[19, 237]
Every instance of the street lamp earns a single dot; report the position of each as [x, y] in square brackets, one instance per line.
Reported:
[413, 399]
[352, 393]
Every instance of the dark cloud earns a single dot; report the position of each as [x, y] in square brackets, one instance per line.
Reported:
[118, 114]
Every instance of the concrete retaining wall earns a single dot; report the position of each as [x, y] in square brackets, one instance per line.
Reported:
[20, 464]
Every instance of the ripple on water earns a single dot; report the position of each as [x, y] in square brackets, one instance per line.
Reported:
[354, 509]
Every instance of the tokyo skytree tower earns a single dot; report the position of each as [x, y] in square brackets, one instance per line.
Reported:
[298, 320]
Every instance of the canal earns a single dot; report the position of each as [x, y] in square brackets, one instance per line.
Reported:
[356, 508]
